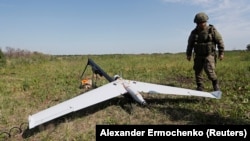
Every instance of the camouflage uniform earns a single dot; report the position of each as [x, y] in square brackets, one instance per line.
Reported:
[203, 42]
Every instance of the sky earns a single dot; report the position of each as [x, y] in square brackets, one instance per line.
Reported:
[75, 27]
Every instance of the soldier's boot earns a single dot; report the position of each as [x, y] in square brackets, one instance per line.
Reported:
[200, 87]
[215, 85]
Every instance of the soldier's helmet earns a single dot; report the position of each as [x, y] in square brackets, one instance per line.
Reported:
[200, 17]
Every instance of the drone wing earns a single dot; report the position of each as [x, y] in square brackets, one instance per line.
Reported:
[163, 89]
[79, 102]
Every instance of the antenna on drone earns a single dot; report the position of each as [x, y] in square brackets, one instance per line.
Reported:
[96, 71]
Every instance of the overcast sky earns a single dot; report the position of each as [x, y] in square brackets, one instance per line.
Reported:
[68, 27]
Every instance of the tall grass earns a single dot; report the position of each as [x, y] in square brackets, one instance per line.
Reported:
[32, 83]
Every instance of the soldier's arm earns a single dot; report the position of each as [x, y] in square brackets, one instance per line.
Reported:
[219, 42]
[189, 49]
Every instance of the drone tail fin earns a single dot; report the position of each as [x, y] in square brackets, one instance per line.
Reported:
[217, 94]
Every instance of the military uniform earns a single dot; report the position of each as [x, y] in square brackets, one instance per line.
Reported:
[202, 43]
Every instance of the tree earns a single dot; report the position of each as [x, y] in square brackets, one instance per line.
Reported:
[2, 59]
[248, 47]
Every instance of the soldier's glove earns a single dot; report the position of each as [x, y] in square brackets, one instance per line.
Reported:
[221, 57]
[188, 58]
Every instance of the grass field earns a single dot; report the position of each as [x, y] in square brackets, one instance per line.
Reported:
[34, 82]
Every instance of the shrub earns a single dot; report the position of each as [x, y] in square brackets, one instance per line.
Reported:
[2, 59]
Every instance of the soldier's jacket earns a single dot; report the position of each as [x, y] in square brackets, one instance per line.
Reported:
[204, 42]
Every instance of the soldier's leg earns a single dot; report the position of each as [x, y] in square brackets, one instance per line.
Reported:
[215, 85]
[199, 80]
[198, 68]
[210, 71]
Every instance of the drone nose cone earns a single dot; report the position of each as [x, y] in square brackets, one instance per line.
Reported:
[144, 103]
[116, 77]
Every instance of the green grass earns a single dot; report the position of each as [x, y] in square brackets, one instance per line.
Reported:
[32, 83]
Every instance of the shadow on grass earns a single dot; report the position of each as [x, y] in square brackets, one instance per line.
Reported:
[195, 117]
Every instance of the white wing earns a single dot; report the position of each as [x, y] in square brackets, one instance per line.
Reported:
[163, 89]
[84, 100]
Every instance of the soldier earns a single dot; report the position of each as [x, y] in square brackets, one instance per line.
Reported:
[202, 42]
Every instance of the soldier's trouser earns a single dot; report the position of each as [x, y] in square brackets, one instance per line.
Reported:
[206, 63]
